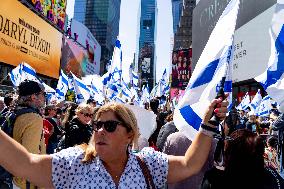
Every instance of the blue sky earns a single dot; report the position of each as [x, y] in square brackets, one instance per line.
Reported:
[128, 31]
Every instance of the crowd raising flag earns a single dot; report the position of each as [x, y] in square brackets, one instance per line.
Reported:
[256, 101]
[211, 67]
[272, 79]
[244, 103]
[82, 91]
[62, 86]
[264, 108]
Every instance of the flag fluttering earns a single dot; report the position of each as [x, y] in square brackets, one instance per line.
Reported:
[213, 65]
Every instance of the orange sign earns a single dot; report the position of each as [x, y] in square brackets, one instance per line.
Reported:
[25, 37]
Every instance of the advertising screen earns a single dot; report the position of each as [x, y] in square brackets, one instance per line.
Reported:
[207, 13]
[53, 10]
[252, 47]
[181, 68]
[75, 59]
[25, 37]
[93, 49]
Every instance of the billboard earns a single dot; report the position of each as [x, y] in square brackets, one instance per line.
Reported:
[75, 59]
[252, 47]
[181, 68]
[146, 64]
[207, 12]
[83, 36]
[53, 10]
[24, 36]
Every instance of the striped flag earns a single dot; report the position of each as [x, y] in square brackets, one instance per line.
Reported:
[213, 65]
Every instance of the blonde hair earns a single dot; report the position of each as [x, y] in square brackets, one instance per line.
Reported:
[83, 107]
[123, 114]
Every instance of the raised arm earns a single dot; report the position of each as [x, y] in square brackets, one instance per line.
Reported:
[18, 161]
[182, 167]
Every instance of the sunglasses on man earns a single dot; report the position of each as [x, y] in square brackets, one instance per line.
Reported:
[110, 125]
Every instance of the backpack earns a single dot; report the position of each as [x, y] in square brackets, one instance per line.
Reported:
[7, 120]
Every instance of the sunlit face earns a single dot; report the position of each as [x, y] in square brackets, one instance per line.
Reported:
[110, 144]
[85, 116]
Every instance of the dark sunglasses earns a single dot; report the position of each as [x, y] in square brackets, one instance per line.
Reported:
[87, 115]
[109, 126]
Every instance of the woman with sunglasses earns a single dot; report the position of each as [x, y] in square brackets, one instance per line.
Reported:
[79, 130]
[107, 161]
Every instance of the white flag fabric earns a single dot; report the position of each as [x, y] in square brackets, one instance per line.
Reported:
[135, 79]
[244, 103]
[16, 75]
[62, 86]
[263, 110]
[211, 67]
[82, 91]
[256, 101]
[146, 120]
[272, 79]
[29, 73]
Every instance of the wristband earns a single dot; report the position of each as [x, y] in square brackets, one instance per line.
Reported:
[211, 134]
[208, 128]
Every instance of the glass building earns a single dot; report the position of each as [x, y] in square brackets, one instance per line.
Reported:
[176, 11]
[147, 41]
[102, 18]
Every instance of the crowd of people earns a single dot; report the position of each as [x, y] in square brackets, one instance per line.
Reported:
[69, 145]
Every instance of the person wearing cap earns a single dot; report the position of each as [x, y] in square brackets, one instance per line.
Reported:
[28, 127]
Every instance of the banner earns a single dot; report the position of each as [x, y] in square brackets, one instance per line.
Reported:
[181, 68]
[53, 10]
[93, 49]
[75, 59]
[25, 37]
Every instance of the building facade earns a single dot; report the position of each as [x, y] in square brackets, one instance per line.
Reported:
[102, 18]
[147, 41]
[177, 6]
[183, 34]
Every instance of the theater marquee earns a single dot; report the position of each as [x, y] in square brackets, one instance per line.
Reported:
[25, 37]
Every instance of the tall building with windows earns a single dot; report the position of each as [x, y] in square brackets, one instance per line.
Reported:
[183, 35]
[177, 6]
[102, 18]
[147, 41]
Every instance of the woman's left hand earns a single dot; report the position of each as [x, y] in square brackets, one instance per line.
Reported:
[219, 107]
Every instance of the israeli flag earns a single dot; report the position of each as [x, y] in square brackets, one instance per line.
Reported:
[116, 63]
[263, 110]
[211, 67]
[29, 73]
[244, 103]
[112, 91]
[23, 72]
[272, 79]
[82, 91]
[16, 75]
[135, 79]
[97, 94]
[62, 86]
[145, 97]
[256, 101]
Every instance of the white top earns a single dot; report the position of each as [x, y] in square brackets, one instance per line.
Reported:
[69, 172]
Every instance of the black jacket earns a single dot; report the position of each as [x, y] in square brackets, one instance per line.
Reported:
[77, 133]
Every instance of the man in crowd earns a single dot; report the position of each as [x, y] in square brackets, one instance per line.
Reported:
[28, 127]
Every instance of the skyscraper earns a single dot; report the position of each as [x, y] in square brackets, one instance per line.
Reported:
[147, 41]
[102, 19]
[183, 35]
[176, 11]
